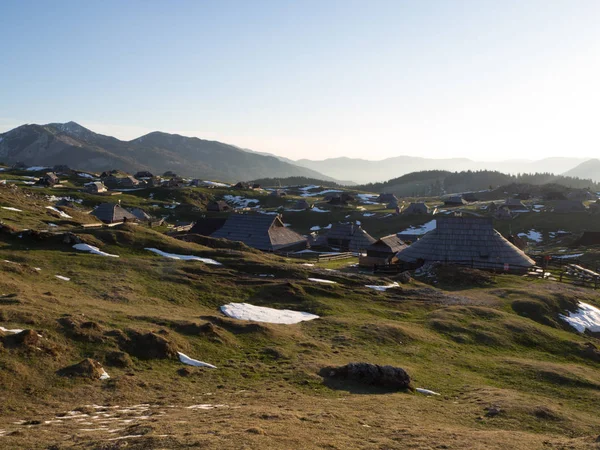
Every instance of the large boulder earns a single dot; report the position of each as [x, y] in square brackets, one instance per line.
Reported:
[370, 374]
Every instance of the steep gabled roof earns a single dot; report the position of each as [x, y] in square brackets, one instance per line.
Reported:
[206, 226]
[466, 240]
[140, 214]
[260, 231]
[388, 244]
[358, 238]
[417, 208]
[112, 213]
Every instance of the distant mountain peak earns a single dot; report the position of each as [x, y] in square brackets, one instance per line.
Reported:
[71, 128]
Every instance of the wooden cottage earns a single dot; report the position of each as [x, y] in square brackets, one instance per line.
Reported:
[141, 215]
[143, 174]
[569, 206]
[470, 241]
[278, 193]
[455, 200]
[416, 208]
[128, 182]
[218, 206]
[206, 226]
[588, 238]
[503, 213]
[302, 204]
[514, 204]
[49, 179]
[382, 251]
[95, 187]
[387, 198]
[343, 199]
[348, 237]
[261, 231]
[111, 213]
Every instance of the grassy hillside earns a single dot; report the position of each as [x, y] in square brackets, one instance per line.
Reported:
[509, 370]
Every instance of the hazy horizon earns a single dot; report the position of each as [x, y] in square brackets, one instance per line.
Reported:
[481, 80]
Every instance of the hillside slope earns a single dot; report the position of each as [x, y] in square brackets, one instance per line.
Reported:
[76, 146]
[588, 169]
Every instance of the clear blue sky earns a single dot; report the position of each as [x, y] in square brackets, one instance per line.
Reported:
[485, 79]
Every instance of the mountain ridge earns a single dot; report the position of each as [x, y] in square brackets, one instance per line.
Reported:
[74, 145]
[368, 171]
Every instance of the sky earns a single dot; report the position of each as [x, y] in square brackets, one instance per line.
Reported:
[316, 79]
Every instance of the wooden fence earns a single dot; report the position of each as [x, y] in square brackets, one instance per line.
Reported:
[319, 257]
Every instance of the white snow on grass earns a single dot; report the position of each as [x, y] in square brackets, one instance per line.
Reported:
[13, 331]
[205, 406]
[239, 201]
[35, 168]
[61, 213]
[194, 362]
[368, 214]
[92, 249]
[60, 277]
[319, 280]
[10, 208]
[246, 311]
[319, 210]
[214, 183]
[426, 391]
[532, 235]
[104, 375]
[382, 288]
[85, 175]
[316, 194]
[577, 255]
[317, 228]
[308, 264]
[420, 229]
[587, 317]
[183, 257]
[368, 199]
[309, 188]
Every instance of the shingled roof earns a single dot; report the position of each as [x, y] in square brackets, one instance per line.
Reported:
[467, 240]
[349, 237]
[388, 244]
[260, 231]
[417, 208]
[112, 213]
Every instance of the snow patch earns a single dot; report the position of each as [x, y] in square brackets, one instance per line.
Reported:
[319, 280]
[194, 362]
[426, 391]
[239, 201]
[60, 277]
[92, 249]
[183, 257]
[532, 235]
[587, 317]
[10, 208]
[420, 229]
[13, 331]
[246, 311]
[382, 288]
[61, 213]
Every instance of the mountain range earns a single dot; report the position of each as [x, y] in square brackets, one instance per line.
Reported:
[74, 145]
[365, 171]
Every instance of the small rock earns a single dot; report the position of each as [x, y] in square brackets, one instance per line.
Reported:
[493, 411]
